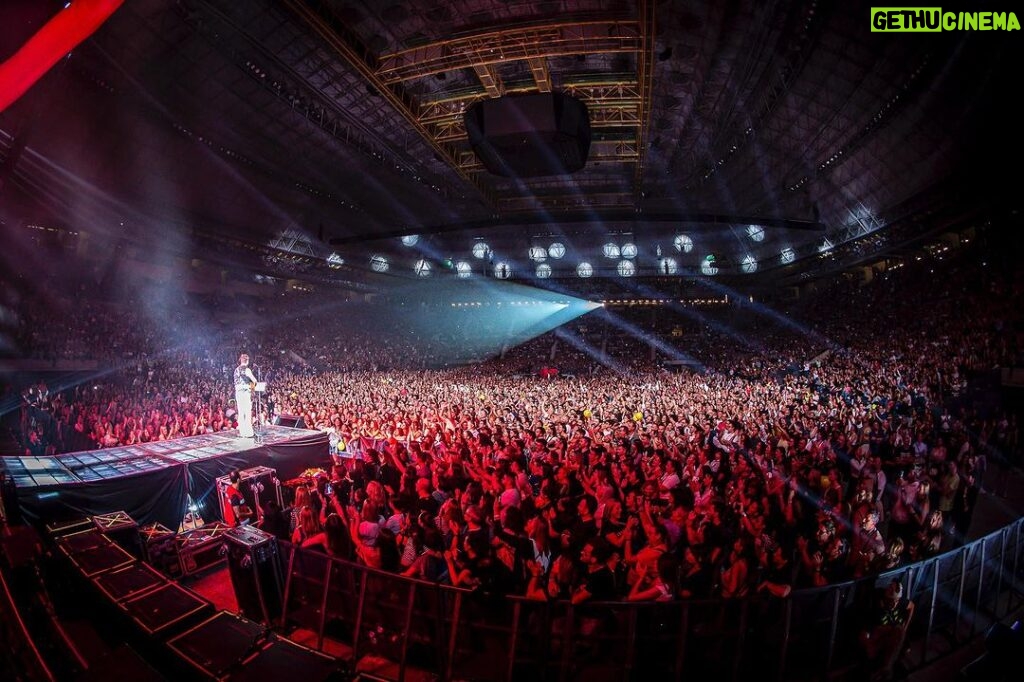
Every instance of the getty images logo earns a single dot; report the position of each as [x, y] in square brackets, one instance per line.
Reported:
[934, 20]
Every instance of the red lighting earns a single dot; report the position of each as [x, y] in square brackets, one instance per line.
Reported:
[59, 36]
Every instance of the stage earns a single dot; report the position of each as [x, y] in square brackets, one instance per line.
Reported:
[152, 481]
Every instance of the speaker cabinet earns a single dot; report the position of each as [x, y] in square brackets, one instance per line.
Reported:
[219, 644]
[128, 582]
[166, 609]
[530, 135]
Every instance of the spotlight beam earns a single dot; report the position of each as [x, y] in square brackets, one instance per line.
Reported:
[599, 356]
[653, 341]
[470, 320]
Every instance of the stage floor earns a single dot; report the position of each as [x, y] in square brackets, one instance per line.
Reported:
[153, 482]
[109, 463]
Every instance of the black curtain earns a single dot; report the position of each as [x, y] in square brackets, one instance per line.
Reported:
[152, 496]
[160, 495]
[288, 459]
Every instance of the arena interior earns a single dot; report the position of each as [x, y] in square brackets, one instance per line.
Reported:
[510, 340]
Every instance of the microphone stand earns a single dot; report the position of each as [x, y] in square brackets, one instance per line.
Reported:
[257, 432]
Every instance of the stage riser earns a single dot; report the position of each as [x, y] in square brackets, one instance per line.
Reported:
[189, 467]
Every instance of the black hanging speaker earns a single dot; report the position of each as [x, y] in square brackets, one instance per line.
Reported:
[530, 135]
[290, 420]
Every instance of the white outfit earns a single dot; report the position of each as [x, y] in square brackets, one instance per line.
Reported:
[243, 399]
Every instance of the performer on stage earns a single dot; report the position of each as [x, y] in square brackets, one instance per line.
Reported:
[244, 384]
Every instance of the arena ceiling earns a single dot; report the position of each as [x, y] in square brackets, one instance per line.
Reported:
[765, 132]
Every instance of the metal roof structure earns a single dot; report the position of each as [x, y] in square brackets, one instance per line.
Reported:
[765, 133]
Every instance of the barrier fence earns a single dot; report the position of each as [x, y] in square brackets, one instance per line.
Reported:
[813, 634]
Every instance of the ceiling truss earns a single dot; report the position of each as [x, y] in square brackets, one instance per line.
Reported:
[530, 41]
[619, 104]
[351, 49]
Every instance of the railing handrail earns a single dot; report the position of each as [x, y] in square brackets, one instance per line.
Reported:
[957, 594]
[796, 593]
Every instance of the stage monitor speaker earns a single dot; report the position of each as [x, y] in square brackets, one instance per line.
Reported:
[290, 420]
[219, 644]
[167, 609]
[129, 582]
[123, 663]
[282, 659]
[530, 135]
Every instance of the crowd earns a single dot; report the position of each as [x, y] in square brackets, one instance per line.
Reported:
[767, 473]
[677, 484]
[142, 403]
[799, 455]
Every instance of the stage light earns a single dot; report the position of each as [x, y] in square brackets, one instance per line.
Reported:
[707, 267]
[502, 270]
[626, 268]
[335, 260]
[379, 263]
[584, 270]
[556, 250]
[788, 255]
[422, 268]
[480, 250]
[825, 246]
[538, 253]
[543, 271]
[463, 270]
[755, 232]
[628, 250]
[667, 266]
[410, 239]
[749, 264]
[683, 243]
[611, 250]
